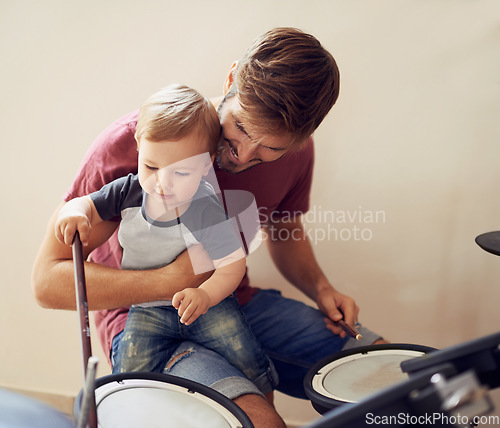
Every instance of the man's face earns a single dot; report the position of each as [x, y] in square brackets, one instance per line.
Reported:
[242, 147]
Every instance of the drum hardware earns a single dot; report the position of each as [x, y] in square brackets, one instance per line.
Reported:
[476, 365]
[463, 395]
[454, 399]
[88, 398]
[482, 355]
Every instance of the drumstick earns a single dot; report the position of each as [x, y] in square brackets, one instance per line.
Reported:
[349, 330]
[83, 313]
[81, 301]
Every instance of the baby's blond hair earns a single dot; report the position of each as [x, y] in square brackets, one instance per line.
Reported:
[174, 112]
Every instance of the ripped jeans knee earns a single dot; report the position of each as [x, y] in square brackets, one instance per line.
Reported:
[197, 363]
[176, 358]
[188, 358]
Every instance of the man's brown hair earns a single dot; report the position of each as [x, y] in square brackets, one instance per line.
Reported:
[287, 82]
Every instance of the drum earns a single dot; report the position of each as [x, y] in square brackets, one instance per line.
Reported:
[18, 411]
[349, 376]
[159, 400]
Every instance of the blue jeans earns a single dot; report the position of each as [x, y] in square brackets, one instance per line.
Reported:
[153, 333]
[295, 337]
[291, 333]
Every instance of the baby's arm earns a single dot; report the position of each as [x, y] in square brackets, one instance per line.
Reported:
[77, 214]
[193, 302]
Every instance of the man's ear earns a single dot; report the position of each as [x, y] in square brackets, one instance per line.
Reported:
[230, 77]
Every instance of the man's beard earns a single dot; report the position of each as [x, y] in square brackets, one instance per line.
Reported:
[226, 165]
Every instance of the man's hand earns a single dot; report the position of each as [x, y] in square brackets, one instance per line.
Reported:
[191, 303]
[186, 262]
[337, 306]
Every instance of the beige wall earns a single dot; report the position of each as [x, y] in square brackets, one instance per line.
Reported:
[414, 136]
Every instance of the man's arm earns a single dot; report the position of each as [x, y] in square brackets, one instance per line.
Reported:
[294, 258]
[107, 288]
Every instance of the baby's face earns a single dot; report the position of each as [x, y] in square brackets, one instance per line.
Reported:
[170, 171]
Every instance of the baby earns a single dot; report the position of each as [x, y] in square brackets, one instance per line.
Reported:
[164, 209]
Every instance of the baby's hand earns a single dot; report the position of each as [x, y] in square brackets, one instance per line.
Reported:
[191, 303]
[68, 222]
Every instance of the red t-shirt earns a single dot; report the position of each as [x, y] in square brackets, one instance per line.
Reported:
[280, 188]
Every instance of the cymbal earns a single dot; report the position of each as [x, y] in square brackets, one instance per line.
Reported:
[490, 242]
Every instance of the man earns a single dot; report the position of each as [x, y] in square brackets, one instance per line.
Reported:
[274, 99]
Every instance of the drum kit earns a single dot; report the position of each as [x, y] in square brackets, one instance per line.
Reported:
[390, 384]
[409, 385]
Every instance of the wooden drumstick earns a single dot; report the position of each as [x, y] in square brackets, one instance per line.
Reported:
[349, 330]
[81, 301]
[83, 313]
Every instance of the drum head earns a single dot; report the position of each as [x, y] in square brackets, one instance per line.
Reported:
[158, 400]
[350, 376]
